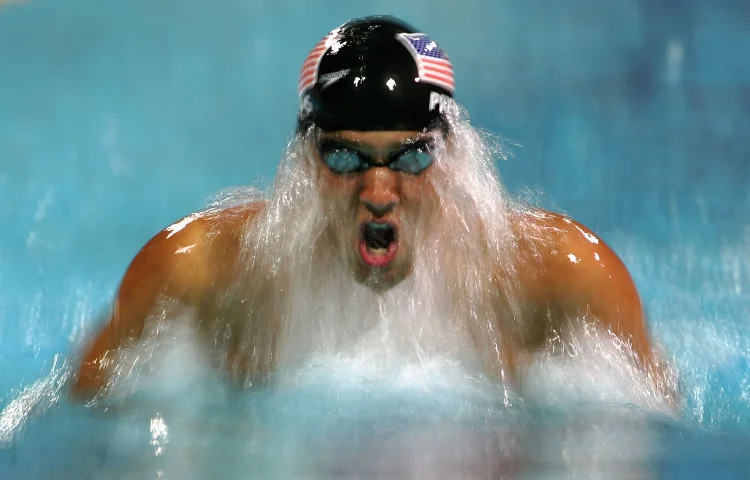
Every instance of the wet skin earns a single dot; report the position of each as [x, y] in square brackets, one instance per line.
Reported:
[570, 272]
[376, 195]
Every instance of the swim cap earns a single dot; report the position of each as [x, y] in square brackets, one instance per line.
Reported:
[375, 73]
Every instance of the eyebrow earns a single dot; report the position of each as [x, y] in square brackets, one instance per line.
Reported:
[391, 149]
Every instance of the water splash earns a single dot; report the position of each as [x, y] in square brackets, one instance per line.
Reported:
[33, 400]
[332, 361]
[294, 299]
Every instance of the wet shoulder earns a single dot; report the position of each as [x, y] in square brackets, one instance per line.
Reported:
[555, 246]
[190, 253]
[541, 233]
[207, 228]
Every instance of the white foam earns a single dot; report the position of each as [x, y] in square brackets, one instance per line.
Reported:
[169, 362]
[430, 347]
[594, 367]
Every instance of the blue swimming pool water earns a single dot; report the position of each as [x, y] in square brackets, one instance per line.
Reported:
[117, 118]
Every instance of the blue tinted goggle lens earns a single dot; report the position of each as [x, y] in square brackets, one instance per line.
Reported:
[340, 159]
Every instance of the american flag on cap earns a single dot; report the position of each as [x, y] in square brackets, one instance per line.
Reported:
[309, 73]
[432, 62]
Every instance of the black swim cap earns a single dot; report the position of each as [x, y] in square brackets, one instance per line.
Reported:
[375, 73]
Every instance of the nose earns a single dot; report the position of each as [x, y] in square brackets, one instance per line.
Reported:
[380, 191]
[379, 210]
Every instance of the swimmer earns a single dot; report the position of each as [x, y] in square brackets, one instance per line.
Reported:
[386, 205]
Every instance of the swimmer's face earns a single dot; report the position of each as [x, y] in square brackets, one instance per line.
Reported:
[378, 186]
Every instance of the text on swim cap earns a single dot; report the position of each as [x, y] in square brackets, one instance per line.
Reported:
[442, 102]
[330, 78]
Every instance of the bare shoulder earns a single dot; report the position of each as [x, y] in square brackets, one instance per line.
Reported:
[573, 274]
[217, 224]
[188, 254]
[182, 262]
[569, 272]
[558, 242]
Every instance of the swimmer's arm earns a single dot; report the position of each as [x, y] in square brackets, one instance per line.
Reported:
[589, 279]
[167, 267]
[182, 264]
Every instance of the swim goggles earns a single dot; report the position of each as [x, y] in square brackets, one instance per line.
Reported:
[342, 158]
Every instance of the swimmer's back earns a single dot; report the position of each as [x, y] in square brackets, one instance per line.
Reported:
[183, 263]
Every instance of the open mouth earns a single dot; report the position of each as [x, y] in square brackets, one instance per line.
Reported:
[378, 243]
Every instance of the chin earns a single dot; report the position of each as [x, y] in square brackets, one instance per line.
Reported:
[378, 281]
[380, 278]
